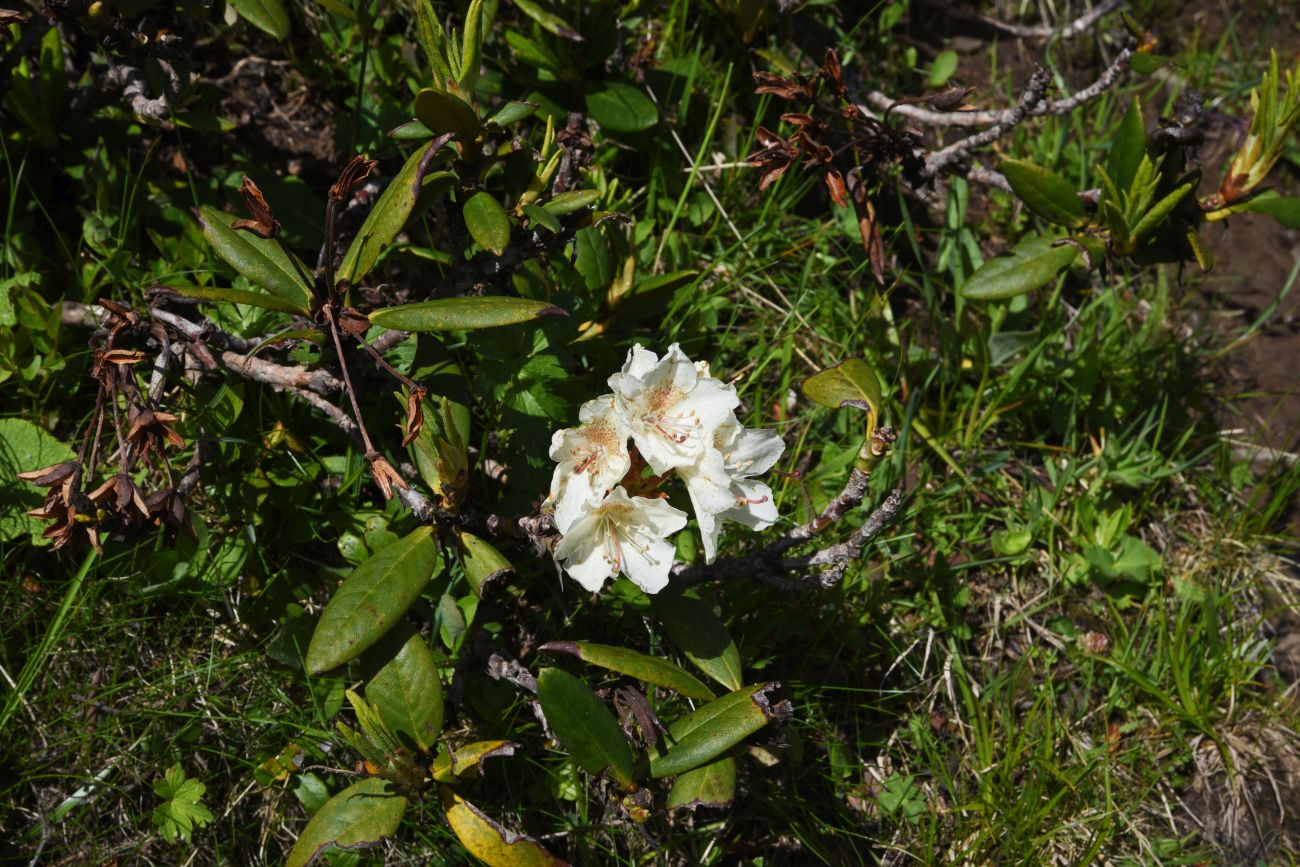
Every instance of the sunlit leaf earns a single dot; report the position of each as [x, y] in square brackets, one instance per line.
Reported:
[408, 693]
[585, 727]
[621, 107]
[712, 730]
[463, 314]
[1032, 263]
[487, 221]
[360, 816]
[711, 785]
[372, 599]
[483, 562]
[1044, 192]
[260, 260]
[659, 672]
[444, 112]
[269, 16]
[488, 841]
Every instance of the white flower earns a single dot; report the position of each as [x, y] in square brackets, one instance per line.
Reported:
[621, 534]
[672, 406]
[722, 487]
[592, 459]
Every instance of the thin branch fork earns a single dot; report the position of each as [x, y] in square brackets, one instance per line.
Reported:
[1078, 27]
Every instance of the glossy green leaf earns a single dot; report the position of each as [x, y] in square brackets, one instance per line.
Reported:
[471, 52]
[463, 314]
[360, 816]
[512, 112]
[541, 217]
[440, 450]
[1286, 210]
[260, 260]
[659, 672]
[451, 765]
[483, 563]
[711, 730]
[711, 785]
[387, 218]
[701, 635]
[412, 130]
[1128, 147]
[1044, 192]
[488, 841]
[1032, 263]
[573, 200]
[852, 382]
[585, 726]
[433, 39]
[487, 221]
[372, 599]
[240, 296]
[621, 107]
[269, 16]
[549, 21]
[444, 112]
[408, 693]
[1160, 211]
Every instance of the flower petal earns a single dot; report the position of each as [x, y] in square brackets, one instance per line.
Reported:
[648, 566]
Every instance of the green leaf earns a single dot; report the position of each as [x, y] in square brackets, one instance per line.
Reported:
[269, 16]
[1145, 64]
[408, 693]
[463, 314]
[387, 218]
[1159, 211]
[550, 22]
[434, 42]
[621, 107]
[711, 785]
[471, 51]
[451, 765]
[1044, 192]
[573, 200]
[440, 451]
[483, 563]
[488, 841]
[24, 447]
[944, 65]
[585, 726]
[712, 730]
[541, 217]
[260, 260]
[1128, 147]
[659, 672]
[1286, 210]
[512, 112]
[360, 816]
[1032, 263]
[701, 635]
[487, 221]
[444, 112]
[181, 809]
[852, 382]
[240, 296]
[412, 130]
[372, 599]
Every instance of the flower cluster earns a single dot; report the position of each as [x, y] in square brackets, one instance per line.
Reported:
[680, 420]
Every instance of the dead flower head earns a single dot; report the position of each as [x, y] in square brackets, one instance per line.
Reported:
[354, 174]
[151, 428]
[264, 224]
[385, 475]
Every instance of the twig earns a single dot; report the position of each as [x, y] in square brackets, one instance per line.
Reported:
[1079, 26]
[883, 102]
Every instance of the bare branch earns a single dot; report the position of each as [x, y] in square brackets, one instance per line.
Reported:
[1078, 27]
[1033, 103]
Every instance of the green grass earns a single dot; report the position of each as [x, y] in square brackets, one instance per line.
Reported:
[1062, 650]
